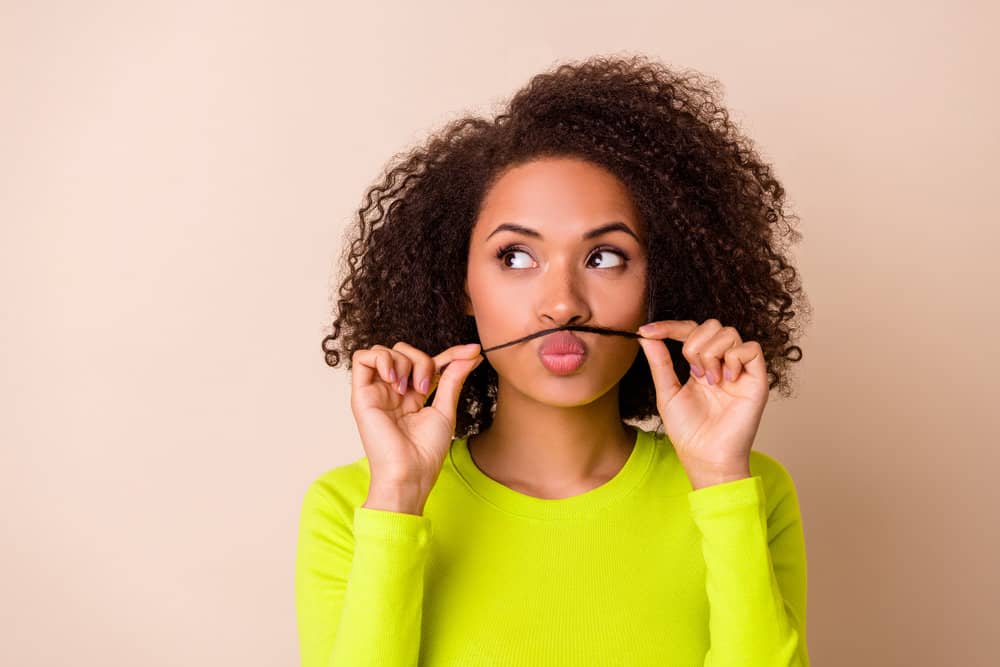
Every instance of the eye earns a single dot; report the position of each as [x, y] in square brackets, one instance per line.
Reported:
[511, 249]
[611, 251]
[508, 250]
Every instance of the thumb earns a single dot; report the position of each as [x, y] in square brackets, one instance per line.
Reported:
[662, 368]
[449, 387]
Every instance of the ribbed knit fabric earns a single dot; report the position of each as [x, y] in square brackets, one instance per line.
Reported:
[641, 570]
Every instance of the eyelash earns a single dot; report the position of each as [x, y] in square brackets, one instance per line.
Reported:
[503, 250]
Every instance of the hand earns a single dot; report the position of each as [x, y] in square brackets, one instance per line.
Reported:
[406, 441]
[711, 422]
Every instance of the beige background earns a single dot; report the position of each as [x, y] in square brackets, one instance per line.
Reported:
[174, 182]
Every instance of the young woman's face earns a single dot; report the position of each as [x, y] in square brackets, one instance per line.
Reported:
[553, 273]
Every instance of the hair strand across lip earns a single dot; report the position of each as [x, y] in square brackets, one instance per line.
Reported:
[569, 327]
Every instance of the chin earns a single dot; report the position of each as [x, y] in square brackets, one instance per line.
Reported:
[565, 391]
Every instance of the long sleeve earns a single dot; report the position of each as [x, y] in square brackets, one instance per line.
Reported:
[755, 576]
[359, 583]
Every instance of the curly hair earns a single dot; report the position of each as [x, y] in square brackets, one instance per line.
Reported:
[716, 227]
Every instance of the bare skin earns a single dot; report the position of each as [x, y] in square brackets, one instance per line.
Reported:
[555, 436]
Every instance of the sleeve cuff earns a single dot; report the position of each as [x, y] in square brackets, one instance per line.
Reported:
[720, 498]
[392, 527]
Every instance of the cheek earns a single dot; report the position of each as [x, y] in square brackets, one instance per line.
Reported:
[497, 316]
[496, 301]
[623, 307]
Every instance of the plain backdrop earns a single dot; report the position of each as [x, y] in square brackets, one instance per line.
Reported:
[175, 181]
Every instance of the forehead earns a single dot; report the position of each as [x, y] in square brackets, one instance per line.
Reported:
[558, 192]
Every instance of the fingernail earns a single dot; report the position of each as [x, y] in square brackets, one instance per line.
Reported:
[697, 371]
[645, 328]
[729, 374]
[392, 375]
[424, 384]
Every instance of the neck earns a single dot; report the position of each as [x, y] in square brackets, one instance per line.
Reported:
[565, 450]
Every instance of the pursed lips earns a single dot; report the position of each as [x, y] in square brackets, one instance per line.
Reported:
[562, 342]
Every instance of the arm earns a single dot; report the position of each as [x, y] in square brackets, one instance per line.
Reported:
[359, 578]
[755, 571]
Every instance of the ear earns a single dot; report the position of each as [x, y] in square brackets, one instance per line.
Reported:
[468, 302]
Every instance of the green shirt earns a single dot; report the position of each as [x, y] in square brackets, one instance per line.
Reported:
[642, 570]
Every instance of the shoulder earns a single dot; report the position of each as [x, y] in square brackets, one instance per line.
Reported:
[779, 487]
[769, 468]
[339, 490]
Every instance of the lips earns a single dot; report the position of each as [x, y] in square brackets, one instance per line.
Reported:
[562, 342]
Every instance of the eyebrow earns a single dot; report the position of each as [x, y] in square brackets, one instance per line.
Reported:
[597, 231]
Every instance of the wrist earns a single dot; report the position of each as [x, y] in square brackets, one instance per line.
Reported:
[700, 478]
[408, 498]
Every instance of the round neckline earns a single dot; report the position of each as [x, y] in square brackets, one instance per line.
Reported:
[522, 504]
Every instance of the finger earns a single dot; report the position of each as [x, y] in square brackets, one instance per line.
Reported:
[442, 360]
[402, 366]
[366, 373]
[372, 363]
[363, 370]
[713, 352]
[468, 351]
[749, 357]
[422, 366]
[661, 366]
[383, 363]
[394, 367]
[695, 344]
[688, 331]
[675, 329]
[449, 387]
[732, 365]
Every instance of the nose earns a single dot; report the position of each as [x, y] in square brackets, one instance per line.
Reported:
[562, 302]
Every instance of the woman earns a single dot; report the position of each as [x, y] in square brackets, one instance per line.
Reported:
[505, 512]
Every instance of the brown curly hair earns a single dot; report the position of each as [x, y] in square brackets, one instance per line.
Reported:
[711, 206]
